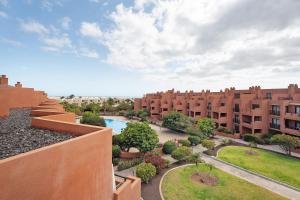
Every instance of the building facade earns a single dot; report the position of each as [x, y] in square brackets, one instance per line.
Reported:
[255, 110]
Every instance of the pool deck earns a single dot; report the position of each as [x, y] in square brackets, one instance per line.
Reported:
[164, 134]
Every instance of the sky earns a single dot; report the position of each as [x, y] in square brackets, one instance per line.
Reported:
[132, 47]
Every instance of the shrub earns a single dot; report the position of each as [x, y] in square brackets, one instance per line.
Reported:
[186, 143]
[92, 119]
[209, 144]
[195, 132]
[125, 164]
[226, 141]
[253, 138]
[145, 171]
[116, 150]
[227, 131]
[181, 153]
[169, 147]
[221, 129]
[195, 140]
[115, 161]
[157, 161]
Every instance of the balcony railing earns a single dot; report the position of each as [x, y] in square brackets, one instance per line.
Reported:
[275, 112]
[237, 121]
[121, 180]
[275, 126]
[247, 121]
[236, 110]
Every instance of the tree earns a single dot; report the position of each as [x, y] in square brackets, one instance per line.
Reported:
[195, 140]
[181, 153]
[210, 167]
[130, 114]
[169, 147]
[71, 96]
[209, 144]
[194, 158]
[143, 114]
[177, 121]
[139, 135]
[206, 126]
[286, 142]
[74, 108]
[92, 119]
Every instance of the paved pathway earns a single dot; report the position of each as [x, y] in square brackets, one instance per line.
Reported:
[275, 148]
[257, 180]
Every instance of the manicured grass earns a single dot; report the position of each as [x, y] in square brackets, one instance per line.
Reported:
[276, 166]
[177, 185]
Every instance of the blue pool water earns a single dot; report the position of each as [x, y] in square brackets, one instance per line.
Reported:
[116, 125]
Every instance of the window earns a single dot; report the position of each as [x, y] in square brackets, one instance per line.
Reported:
[152, 108]
[269, 95]
[275, 121]
[222, 104]
[257, 118]
[236, 108]
[223, 114]
[209, 106]
[197, 113]
[254, 106]
[297, 125]
[165, 109]
[237, 95]
[275, 110]
[297, 109]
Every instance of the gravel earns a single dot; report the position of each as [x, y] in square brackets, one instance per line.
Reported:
[16, 135]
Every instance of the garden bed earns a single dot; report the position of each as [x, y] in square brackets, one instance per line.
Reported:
[17, 136]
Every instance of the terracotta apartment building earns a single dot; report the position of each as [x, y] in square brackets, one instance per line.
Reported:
[254, 110]
[75, 169]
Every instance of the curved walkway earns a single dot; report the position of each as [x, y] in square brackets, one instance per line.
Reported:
[255, 179]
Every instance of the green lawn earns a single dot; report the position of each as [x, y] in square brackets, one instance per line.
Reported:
[276, 166]
[177, 185]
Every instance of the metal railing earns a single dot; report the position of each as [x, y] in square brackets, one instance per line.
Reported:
[123, 178]
[275, 126]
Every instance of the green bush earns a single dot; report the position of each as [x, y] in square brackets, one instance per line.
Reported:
[92, 119]
[195, 132]
[253, 138]
[186, 143]
[209, 144]
[116, 150]
[125, 164]
[177, 121]
[221, 129]
[169, 147]
[195, 140]
[207, 126]
[145, 171]
[181, 153]
[115, 161]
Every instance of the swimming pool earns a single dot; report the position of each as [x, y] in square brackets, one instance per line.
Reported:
[116, 125]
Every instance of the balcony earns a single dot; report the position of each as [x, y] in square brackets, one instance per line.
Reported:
[275, 126]
[236, 109]
[292, 116]
[127, 188]
[236, 121]
[275, 112]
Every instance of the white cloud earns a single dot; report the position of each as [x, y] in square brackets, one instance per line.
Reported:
[34, 27]
[196, 41]
[49, 4]
[65, 23]
[88, 53]
[91, 29]
[58, 42]
[11, 42]
[3, 14]
[50, 49]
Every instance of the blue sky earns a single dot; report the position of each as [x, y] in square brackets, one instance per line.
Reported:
[128, 48]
